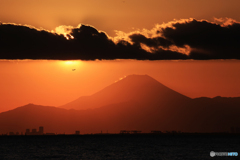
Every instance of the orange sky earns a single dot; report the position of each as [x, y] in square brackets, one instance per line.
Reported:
[54, 83]
[110, 15]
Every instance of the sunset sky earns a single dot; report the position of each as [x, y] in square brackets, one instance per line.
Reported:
[110, 15]
[194, 45]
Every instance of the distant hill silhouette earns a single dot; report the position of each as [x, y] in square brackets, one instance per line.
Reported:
[135, 102]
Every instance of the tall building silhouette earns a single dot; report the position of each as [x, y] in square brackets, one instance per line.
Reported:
[40, 130]
[35, 132]
[238, 130]
[27, 132]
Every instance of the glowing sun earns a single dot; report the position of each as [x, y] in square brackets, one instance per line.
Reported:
[73, 65]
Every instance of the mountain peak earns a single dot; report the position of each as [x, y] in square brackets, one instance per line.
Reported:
[138, 75]
[135, 78]
[139, 88]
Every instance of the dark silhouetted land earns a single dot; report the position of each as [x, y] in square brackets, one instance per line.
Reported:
[137, 102]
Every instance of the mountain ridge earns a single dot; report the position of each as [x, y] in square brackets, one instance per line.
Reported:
[152, 107]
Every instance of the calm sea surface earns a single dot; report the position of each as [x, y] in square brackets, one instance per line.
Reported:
[94, 147]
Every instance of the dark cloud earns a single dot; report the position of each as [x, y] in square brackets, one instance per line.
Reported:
[22, 42]
[207, 41]
[151, 42]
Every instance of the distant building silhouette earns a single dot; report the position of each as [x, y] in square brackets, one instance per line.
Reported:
[156, 132]
[235, 130]
[41, 131]
[135, 132]
[27, 132]
[130, 132]
[34, 131]
[50, 134]
[124, 132]
[11, 133]
[77, 132]
[238, 130]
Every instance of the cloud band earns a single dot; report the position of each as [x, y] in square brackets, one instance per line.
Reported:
[180, 39]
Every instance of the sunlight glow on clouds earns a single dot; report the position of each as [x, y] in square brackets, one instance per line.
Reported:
[65, 30]
[225, 21]
[178, 39]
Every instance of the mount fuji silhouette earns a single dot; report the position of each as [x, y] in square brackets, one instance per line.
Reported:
[140, 88]
[137, 102]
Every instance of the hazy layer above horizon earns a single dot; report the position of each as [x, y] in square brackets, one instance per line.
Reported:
[58, 82]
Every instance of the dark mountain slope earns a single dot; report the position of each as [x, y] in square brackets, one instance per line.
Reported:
[139, 88]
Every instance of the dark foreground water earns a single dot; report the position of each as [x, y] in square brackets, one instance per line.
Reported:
[160, 147]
